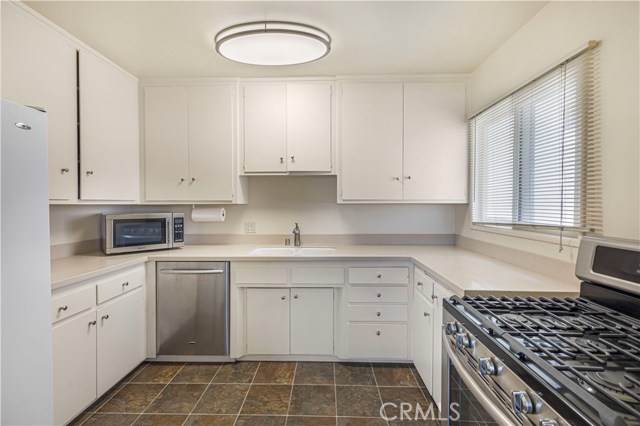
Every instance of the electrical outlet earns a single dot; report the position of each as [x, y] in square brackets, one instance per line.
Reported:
[249, 227]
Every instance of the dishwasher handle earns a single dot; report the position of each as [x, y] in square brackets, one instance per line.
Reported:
[192, 271]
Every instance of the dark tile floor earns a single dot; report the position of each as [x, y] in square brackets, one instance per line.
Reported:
[260, 394]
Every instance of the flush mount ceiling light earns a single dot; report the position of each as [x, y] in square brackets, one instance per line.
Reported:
[272, 43]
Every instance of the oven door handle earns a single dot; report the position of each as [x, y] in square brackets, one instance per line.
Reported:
[498, 415]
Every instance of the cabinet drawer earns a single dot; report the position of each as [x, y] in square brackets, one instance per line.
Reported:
[424, 283]
[377, 313]
[260, 275]
[319, 275]
[377, 341]
[378, 294]
[120, 283]
[379, 275]
[70, 304]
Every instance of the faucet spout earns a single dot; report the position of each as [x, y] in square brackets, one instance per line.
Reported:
[296, 236]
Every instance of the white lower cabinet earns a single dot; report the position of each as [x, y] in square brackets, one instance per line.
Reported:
[282, 321]
[423, 343]
[121, 338]
[440, 293]
[74, 366]
[96, 345]
[377, 341]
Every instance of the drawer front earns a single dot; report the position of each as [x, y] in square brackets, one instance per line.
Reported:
[397, 275]
[378, 294]
[260, 275]
[377, 313]
[424, 283]
[70, 304]
[317, 275]
[120, 283]
[377, 341]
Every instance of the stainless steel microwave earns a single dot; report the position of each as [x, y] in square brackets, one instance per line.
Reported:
[126, 233]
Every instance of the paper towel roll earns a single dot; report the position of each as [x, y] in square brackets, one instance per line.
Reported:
[208, 214]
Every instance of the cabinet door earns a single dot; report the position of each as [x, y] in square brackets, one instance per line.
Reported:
[440, 293]
[166, 143]
[312, 321]
[423, 338]
[121, 338]
[309, 127]
[435, 142]
[39, 69]
[109, 149]
[74, 366]
[267, 321]
[265, 127]
[210, 143]
[371, 141]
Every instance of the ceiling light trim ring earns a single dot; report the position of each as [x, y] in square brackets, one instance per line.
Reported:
[317, 34]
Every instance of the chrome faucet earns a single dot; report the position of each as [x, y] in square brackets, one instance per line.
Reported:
[296, 236]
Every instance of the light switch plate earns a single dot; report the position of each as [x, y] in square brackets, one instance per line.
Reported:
[249, 227]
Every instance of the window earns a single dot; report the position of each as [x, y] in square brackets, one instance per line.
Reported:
[536, 154]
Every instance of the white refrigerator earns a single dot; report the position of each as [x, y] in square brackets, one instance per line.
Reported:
[26, 373]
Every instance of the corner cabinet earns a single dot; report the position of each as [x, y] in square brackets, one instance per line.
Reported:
[190, 143]
[286, 127]
[109, 137]
[402, 142]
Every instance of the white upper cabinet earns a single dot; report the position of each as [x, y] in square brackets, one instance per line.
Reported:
[189, 142]
[39, 69]
[287, 127]
[435, 142]
[109, 148]
[403, 142]
[371, 141]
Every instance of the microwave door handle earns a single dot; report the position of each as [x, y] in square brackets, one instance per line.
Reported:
[497, 415]
[191, 271]
[169, 232]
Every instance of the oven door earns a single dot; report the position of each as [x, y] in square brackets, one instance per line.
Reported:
[137, 232]
[466, 400]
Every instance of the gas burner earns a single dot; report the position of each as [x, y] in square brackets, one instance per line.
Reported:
[515, 319]
[612, 383]
[591, 344]
[548, 321]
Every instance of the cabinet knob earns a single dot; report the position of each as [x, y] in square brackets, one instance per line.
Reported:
[377, 333]
[63, 308]
[379, 276]
[92, 323]
[293, 159]
[65, 170]
[193, 179]
[281, 160]
[181, 180]
[283, 297]
[295, 296]
[378, 294]
[408, 177]
[378, 314]
[105, 317]
[89, 172]
[396, 178]
[125, 284]
[426, 314]
[420, 284]
[434, 297]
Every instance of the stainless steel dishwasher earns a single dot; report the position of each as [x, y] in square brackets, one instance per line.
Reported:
[192, 310]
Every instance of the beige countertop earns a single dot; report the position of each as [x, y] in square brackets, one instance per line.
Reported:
[462, 271]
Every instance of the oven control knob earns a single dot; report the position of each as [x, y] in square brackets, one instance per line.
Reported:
[548, 422]
[521, 402]
[462, 340]
[450, 328]
[486, 367]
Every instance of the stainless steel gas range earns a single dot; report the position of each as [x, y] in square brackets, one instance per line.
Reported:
[550, 361]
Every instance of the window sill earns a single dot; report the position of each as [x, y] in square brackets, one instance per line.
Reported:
[569, 241]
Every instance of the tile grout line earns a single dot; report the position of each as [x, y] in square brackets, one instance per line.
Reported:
[375, 379]
[248, 390]
[159, 393]
[335, 390]
[201, 396]
[293, 382]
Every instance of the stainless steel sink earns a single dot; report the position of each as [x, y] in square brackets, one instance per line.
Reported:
[292, 251]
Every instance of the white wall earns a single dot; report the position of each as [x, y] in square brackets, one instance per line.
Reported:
[275, 203]
[556, 31]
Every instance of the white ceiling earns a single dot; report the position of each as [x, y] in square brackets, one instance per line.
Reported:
[156, 39]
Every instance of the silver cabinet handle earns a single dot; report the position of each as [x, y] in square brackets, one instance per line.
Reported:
[378, 294]
[193, 179]
[105, 317]
[125, 284]
[89, 172]
[379, 276]
[377, 333]
[283, 297]
[63, 308]
[281, 160]
[181, 180]
[191, 271]
[396, 178]
[293, 159]
[434, 297]
[295, 297]
[408, 177]
[420, 284]
[65, 170]
[92, 323]
[378, 314]
[426, 314]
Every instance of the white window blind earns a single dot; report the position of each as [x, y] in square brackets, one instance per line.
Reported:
[536, 153]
